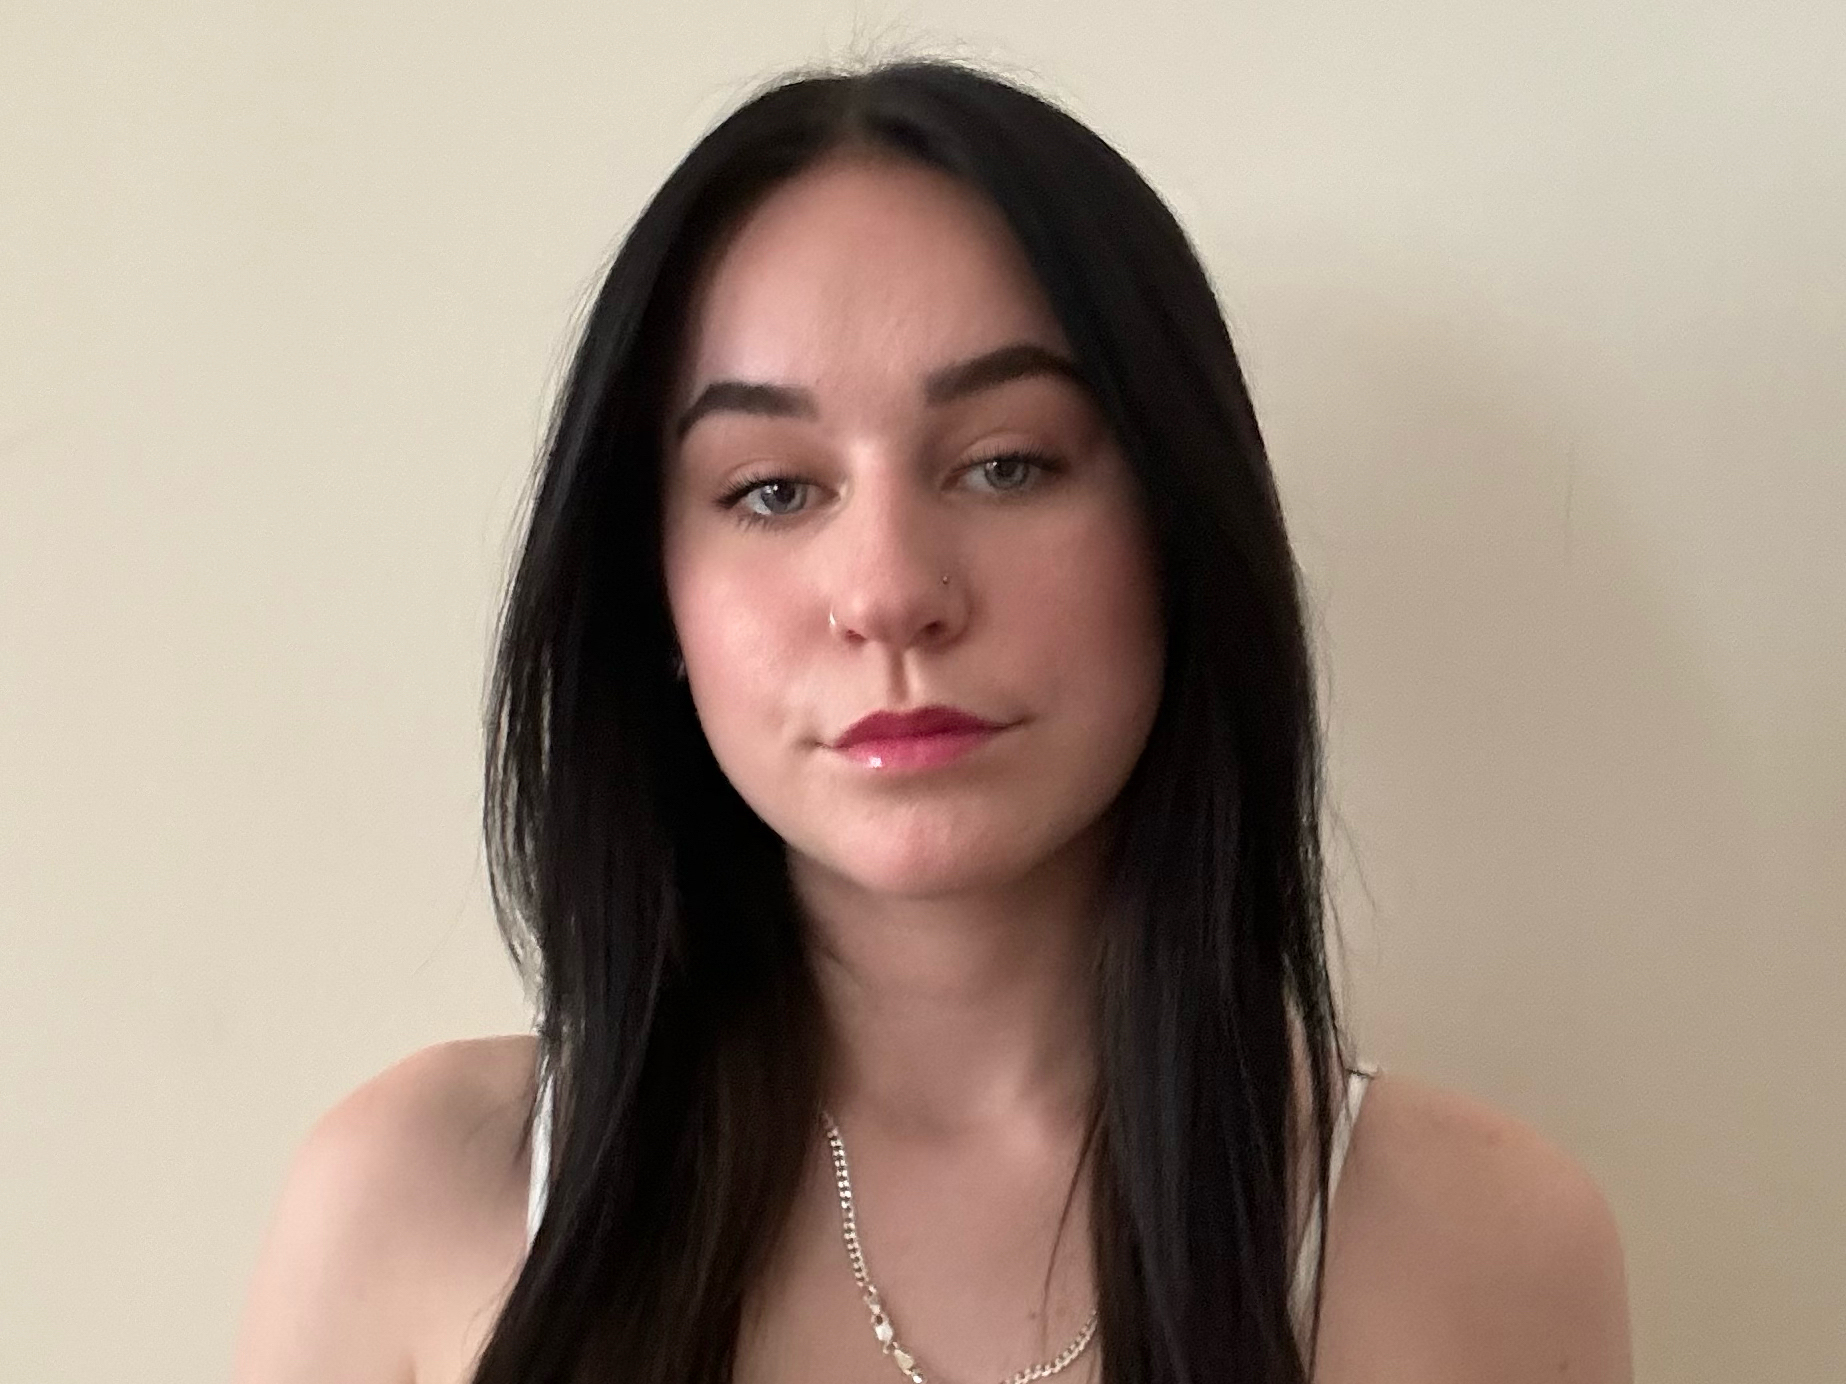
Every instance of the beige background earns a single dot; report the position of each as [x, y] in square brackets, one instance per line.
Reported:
[1544, 305]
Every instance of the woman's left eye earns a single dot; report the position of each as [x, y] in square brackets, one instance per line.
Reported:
[1011, 471]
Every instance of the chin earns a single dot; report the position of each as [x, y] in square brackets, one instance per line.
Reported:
[924, 879]
[914, 865]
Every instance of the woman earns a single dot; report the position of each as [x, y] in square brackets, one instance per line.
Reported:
[903, 788]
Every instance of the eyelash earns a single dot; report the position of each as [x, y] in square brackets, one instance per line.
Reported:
[1042, 464]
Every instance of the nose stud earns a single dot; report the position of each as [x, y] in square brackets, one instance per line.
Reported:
[834, 624]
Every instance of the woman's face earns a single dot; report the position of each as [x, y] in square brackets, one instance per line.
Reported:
[841, 438]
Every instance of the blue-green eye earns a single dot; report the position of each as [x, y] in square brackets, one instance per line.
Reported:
[780, 496]
[772, 497]
[1007, 472]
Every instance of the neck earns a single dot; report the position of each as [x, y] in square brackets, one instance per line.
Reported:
[955, 1012]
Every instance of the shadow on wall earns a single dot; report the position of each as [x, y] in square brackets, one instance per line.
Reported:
[1543, 851]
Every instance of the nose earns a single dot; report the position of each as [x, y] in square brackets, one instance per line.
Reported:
[893, 578]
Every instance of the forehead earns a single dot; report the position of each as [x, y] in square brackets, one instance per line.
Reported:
[863, 271]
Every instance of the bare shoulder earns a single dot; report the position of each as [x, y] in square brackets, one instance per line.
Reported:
[452, 1106]
[401, 1217]
[1468, 1246]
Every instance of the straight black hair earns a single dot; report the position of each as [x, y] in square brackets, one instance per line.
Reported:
[679, 1023]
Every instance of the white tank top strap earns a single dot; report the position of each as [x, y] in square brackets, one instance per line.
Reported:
[538, 1182]
[1307, 1261]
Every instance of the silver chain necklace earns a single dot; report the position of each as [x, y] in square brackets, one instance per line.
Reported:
[881, 1320]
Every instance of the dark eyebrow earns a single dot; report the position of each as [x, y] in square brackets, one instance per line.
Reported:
[950, 382]
[990, 368]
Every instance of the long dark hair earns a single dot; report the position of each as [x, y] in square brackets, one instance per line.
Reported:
[678, 1019]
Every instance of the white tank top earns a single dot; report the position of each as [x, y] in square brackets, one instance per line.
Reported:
[1307, 1260]
[538, 1181]
[1307, 1264]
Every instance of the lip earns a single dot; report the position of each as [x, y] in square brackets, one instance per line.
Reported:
[907, 725]
[922, 738]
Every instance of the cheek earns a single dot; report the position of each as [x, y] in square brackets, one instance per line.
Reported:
[739, 630]
[1090, 616]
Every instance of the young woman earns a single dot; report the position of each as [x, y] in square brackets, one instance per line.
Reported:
[903, 788]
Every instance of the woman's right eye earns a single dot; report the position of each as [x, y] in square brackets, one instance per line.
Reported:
[773, 497]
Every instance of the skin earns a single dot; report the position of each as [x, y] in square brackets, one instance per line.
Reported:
[950, 910]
